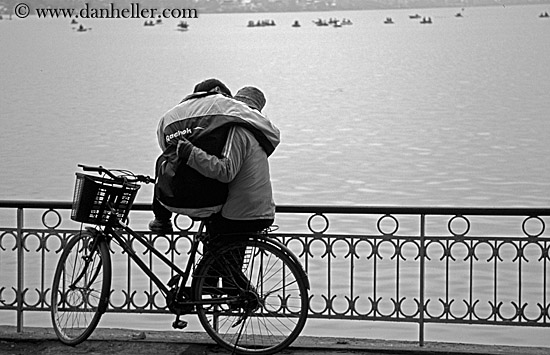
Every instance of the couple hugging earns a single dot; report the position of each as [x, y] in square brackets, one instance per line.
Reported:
[214, 164]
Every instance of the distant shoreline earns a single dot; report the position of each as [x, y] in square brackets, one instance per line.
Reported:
[443, 6]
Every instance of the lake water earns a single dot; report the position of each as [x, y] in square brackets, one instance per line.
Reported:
[454, 113]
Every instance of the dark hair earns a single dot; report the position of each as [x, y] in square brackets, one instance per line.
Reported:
[210, 84]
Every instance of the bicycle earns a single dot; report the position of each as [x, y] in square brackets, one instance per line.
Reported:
[249, 291]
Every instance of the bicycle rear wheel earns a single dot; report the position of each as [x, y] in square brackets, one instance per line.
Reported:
[262, 306]
[80, 289]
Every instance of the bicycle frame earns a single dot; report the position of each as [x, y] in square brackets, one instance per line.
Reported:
[111, 231]
[114, 233]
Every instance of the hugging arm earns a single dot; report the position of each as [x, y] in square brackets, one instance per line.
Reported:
[223, 169]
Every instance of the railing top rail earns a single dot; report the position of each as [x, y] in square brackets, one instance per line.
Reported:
[423, 210]
[428, 210]
[56, 204]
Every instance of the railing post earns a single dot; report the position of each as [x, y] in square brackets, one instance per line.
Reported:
[422, 277]
[20, 270]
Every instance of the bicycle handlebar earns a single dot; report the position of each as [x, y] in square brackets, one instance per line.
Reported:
[98, 169]
[129, 176]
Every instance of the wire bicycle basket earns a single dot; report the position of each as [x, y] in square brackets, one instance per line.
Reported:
[93, 195]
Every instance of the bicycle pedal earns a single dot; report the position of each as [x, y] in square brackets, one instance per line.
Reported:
[179, 324]
[174, 281]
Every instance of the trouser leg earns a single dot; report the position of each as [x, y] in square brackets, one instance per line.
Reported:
[161, 213]
[218, 227]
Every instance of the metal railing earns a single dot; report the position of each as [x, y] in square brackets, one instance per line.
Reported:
[488, 266]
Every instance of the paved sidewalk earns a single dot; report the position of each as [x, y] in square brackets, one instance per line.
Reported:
[133, 342]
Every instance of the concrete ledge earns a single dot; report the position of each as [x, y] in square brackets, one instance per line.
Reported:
[160, 342]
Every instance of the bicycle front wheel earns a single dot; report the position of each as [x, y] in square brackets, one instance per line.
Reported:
[254, 297]
[81, 288]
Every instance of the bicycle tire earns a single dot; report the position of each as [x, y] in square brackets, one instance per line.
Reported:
[76, 309]
[262, 319]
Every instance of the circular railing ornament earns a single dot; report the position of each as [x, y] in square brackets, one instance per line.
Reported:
[457, 218]
[386, 217]
[190, 221]
[45, 219]
[524, 226]
[324, 219]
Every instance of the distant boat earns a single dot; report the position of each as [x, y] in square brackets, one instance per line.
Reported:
[82, 29]
[458, 14]
[148, 23]
[388, 20]
[347, 22]
[73, 22]
[426, 20]
[544, 15]
[182, 26]
[262, 23]
[415, 16]
[320, 22]
[296, 24]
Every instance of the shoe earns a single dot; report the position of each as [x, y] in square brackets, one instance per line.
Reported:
[160, 226]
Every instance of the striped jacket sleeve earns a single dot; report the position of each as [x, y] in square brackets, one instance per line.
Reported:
[226, 168]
